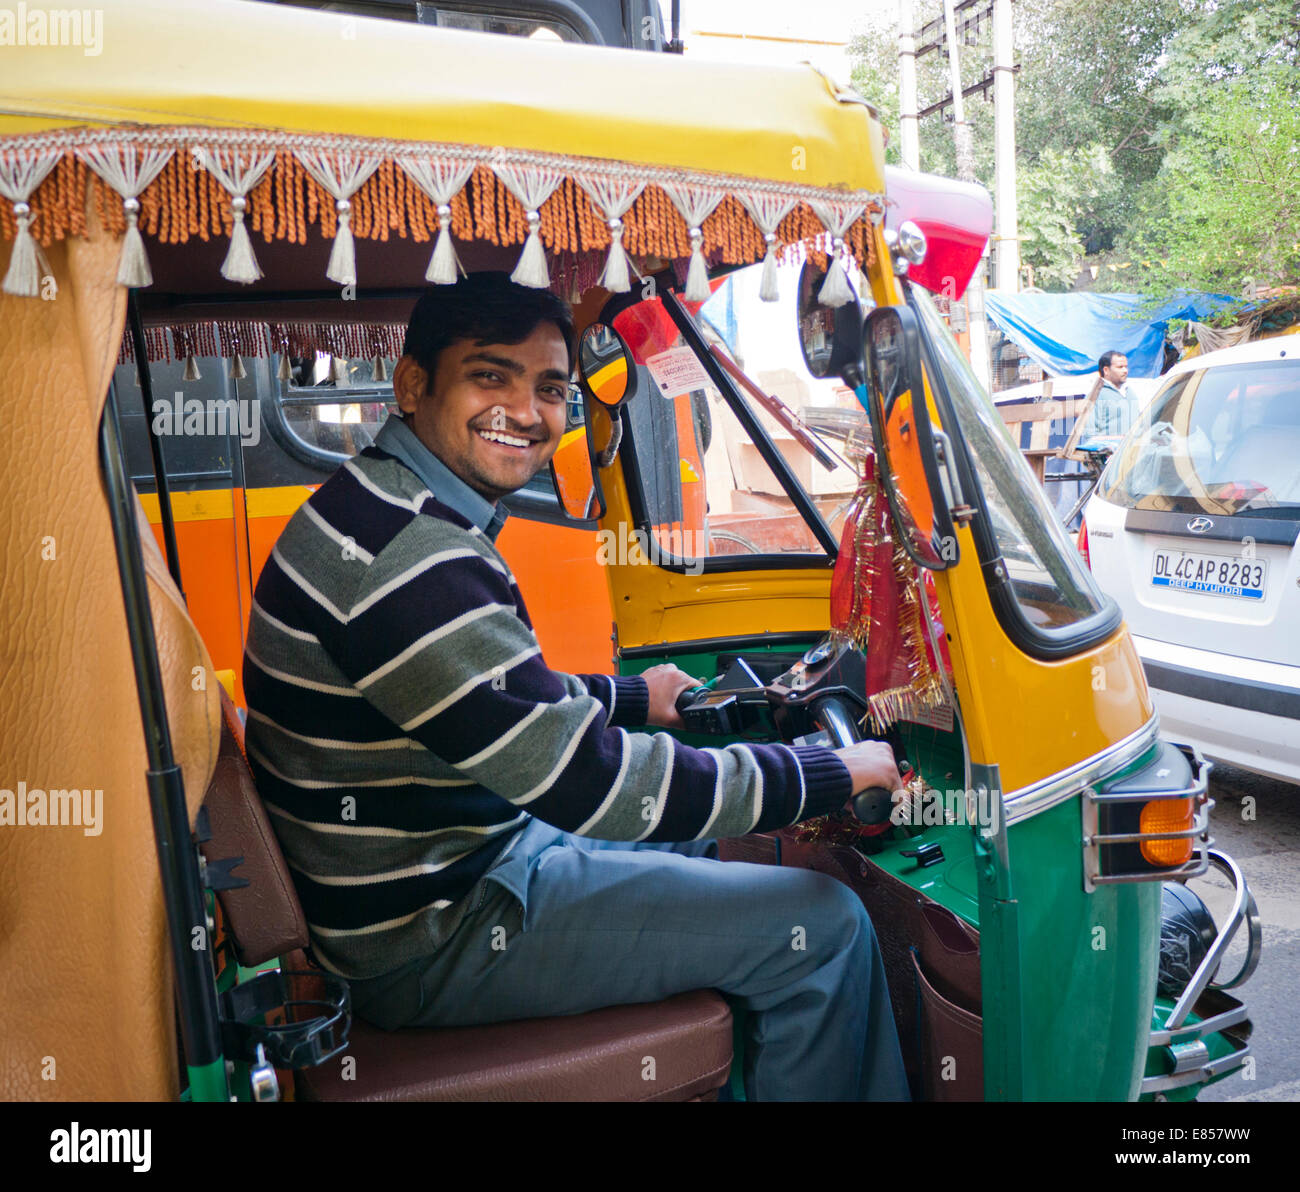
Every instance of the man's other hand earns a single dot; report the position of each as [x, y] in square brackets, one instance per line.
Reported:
[666, 682]
[871, 763]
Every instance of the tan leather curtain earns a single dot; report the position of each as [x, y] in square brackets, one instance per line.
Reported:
[85, 980]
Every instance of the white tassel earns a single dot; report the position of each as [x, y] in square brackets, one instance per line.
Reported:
[768, 211]
[19, 178]
[237, 370]
[441, 181]
[339, 370]
[133, 268]
[378, 369]
[695, 205]
[615, 276]
[836, 290]
[285, 371]
[768, 290]
[128, 176]
[837, 219]
[342, 267]
[697, 276]
[531, 270]
[532, 186]
[24, 275]
[191, 372]
[342, 175]
[613, 198]
[237, 179]
[444, 265]
[240, 263]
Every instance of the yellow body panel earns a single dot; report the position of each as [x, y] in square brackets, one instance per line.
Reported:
[1031, 718]
[205, 504]
[225, 63]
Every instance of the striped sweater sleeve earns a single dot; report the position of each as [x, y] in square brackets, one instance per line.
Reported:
[433, 641]
[626, 698]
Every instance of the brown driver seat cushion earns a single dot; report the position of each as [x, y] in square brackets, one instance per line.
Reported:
[674, 1050]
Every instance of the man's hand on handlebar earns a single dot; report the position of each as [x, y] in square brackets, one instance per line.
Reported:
[871, 764]
[666, 683]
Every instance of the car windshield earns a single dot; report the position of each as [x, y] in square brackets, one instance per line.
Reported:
[1052, 588]
[704, 459]
[1222, 440]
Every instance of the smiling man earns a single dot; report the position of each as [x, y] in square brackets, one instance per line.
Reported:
[475, 837]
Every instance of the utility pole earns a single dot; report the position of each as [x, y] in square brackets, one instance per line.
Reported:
[1004, 123]
[909, 124]
[979, 346]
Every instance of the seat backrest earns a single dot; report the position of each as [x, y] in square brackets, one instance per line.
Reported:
[265, 918]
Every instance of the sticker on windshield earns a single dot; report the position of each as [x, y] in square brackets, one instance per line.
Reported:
[677, 371]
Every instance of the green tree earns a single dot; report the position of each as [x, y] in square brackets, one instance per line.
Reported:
[1185, 108]
[1055, 195]
[1223, 212]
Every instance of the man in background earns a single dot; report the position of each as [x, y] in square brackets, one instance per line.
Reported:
[1115, 407]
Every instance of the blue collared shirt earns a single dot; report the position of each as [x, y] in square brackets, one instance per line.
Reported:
[398, 439]
[1114, 411]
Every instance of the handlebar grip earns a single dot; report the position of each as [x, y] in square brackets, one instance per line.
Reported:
[688, 697]
[873, 805]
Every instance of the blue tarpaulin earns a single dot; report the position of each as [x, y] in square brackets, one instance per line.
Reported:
[1066, 333]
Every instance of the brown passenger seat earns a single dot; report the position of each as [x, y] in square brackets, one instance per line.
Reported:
[674, 1050]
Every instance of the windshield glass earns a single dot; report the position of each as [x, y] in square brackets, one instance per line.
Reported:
[1224, 440]
[1052, 587]
[707, 489]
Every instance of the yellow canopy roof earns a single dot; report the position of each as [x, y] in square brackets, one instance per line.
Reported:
[234, 63]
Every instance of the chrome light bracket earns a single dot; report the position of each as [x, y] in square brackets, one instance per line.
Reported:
[1095, 841]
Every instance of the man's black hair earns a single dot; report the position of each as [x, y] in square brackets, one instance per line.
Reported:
[487, 308]
[1107, 359]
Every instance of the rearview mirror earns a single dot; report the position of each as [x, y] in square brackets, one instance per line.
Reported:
[905, 438]
[831, 337]
[605, 369]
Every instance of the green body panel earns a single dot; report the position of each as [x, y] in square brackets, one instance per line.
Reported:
[1003, 1025]
[1067, 1007]
[1087, 968]
[208, 1082]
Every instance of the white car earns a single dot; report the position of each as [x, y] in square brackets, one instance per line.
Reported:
[1193, 530]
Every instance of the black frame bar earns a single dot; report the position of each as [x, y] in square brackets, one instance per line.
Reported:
[178, 861]
[136, 325]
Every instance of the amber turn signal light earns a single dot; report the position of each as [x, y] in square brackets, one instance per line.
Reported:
[1167, 815]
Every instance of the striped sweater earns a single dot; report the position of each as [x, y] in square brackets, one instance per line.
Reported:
[403, 726]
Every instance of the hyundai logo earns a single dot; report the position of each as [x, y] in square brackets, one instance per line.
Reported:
[1200, 525]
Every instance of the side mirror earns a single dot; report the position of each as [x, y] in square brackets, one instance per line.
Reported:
[607, 380]
[606, 372]
[830, 336]
[574, 474]
[905, 439]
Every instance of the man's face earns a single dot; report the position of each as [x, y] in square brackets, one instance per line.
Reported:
[494, 413]
[1116, 372]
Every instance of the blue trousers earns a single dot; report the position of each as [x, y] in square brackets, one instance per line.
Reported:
[562, 925]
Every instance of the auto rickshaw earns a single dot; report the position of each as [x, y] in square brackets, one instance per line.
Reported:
[228, 201]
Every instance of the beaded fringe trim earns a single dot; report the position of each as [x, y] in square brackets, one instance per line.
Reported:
[186, 200]
[245, 337]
